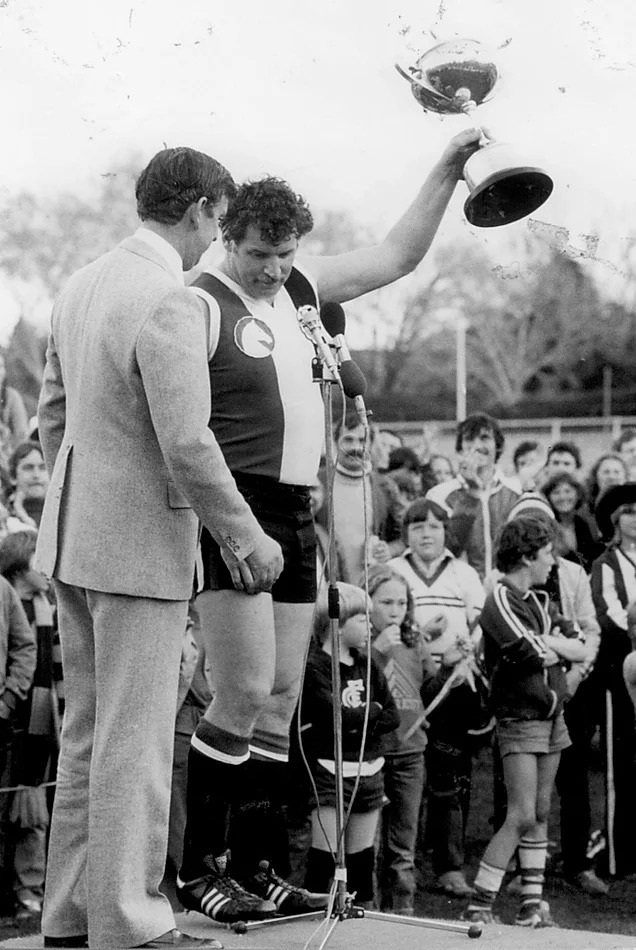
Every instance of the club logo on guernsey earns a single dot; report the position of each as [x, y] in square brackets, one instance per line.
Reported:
[254, 338]
[352, 694]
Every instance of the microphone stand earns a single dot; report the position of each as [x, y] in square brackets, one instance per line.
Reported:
[341, 905]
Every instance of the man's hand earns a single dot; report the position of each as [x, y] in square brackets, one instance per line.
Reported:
[379, 551]
[259, 570]
[470, 467]
[460, 148]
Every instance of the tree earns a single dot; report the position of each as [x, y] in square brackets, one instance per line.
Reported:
[531, 329]
[43, 242]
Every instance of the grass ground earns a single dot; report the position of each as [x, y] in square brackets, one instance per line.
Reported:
[569, 907]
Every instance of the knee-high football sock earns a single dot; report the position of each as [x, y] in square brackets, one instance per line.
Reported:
[360, 867]
[487, 885]
[258, 820]
[215, 766]
[319, 871]
[532, 858]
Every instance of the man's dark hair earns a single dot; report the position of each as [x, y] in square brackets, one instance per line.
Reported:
[351, 421]
[16, 551]
[472, 426]
[627, 435]
[570, 447]
[520, 538]
[523, 449]
[176, 178]
[403, 457]
[21, 452]
[270, 205]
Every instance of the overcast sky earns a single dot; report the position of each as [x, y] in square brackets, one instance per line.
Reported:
[307, 89]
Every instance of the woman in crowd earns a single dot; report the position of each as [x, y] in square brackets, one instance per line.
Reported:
[614, 593]
[609, 469]
[575, 538]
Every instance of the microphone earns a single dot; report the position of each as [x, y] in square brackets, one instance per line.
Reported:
[351, 376]
[314, 330]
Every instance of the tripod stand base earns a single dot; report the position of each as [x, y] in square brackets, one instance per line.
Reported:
[357, 913]
[471, 930]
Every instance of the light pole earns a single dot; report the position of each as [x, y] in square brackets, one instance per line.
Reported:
[461, 325]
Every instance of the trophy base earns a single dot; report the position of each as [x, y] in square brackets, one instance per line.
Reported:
[506, 196]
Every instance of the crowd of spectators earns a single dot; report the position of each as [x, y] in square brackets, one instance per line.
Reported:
[417, 550]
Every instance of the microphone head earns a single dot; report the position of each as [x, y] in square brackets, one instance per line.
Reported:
[308, 319]
[333, 318]
[352, 378]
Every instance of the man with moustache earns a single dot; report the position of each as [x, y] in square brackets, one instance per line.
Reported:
[384, 508]
[267, 415]
[123, 422]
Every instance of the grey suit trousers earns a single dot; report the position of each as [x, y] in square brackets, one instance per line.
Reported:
[109, 827]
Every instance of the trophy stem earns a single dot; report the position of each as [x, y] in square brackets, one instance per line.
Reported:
[468, 109]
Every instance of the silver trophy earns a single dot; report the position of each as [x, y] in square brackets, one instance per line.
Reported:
[456, 77]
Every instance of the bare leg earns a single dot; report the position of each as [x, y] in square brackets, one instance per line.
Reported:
[521, 777]
[239, 637]
[292, 630]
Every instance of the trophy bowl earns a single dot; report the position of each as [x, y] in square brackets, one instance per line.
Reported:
[455, 78]
[441, 78]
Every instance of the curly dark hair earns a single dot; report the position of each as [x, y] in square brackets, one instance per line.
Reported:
[272, 206]
[563, 478]
[522, 537]
[176, 178]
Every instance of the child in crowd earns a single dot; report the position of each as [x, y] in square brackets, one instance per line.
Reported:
[35, 730]
[368, 713]
[527, 646]
[448, 597]
[411, 672]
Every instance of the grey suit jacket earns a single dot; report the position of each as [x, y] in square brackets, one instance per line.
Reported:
[123, 420]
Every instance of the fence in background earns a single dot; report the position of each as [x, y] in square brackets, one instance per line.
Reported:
[594, 435]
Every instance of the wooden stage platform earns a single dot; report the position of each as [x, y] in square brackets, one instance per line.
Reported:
[373, 933]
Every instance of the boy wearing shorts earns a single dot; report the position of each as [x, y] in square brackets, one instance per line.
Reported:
[528, 646]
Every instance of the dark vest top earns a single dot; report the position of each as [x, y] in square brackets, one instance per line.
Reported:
[247, 415]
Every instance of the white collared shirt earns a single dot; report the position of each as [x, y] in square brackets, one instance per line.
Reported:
[159, 244]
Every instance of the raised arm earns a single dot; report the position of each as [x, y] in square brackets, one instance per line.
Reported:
[347, 276]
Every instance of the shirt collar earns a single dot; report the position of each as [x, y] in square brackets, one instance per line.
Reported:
[434, 566]
[499, 480]
[166, 250]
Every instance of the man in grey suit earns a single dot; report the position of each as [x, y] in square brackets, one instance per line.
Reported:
[123, 421]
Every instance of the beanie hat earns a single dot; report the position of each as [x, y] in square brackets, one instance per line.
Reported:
[531, 503]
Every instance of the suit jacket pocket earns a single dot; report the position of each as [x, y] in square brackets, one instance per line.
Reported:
[176, 498]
